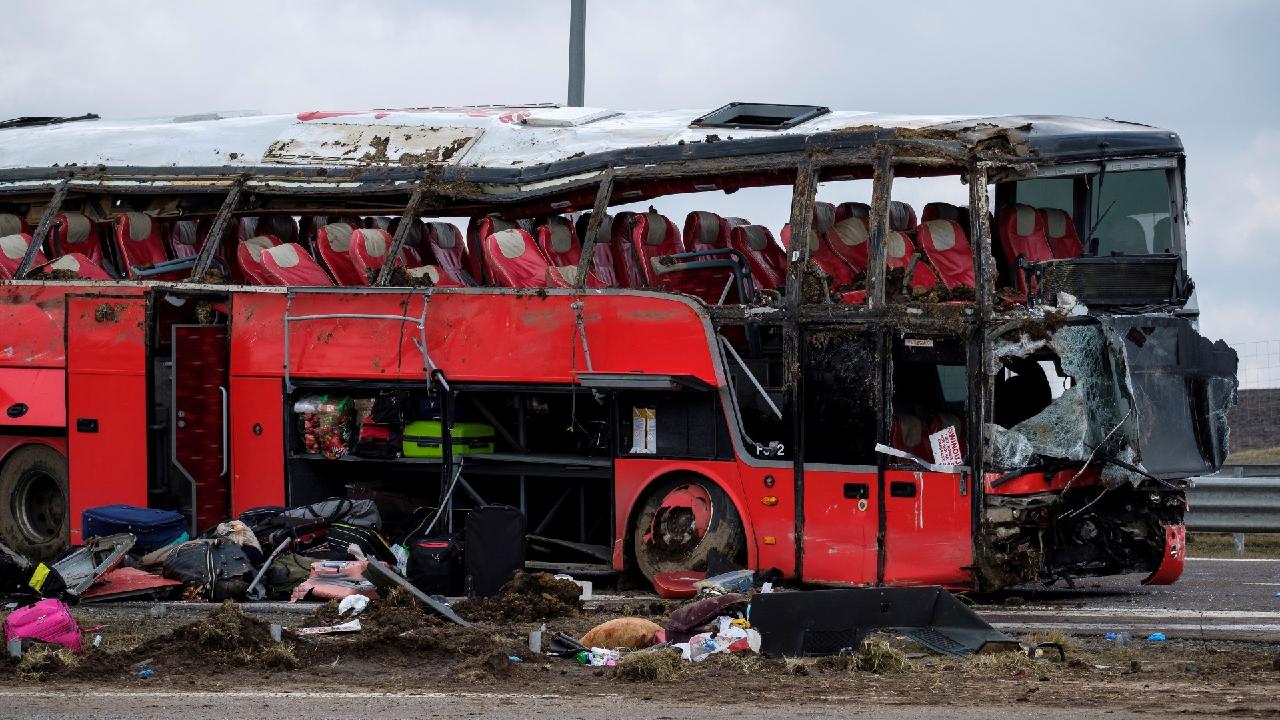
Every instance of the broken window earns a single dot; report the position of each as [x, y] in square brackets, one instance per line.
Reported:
[930, 396]
[841, 396]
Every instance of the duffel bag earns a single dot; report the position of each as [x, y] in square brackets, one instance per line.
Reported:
[435, 566]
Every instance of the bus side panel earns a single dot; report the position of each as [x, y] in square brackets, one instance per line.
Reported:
[33, 397]
[33, 318]
[257, 443]
[106, 403]
[928, 529]
[840, 527]
[775, 525]
[633, 476]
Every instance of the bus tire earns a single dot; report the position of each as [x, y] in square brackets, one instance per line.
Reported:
[681, 521]
[33, 502]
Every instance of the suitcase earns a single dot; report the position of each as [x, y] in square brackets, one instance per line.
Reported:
[435, 566]
[422, 439]
[153, 529]
[495, 548]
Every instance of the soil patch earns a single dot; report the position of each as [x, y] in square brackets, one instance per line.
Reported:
[525, 598]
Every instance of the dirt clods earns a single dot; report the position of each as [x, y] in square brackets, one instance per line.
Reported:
[527, 597]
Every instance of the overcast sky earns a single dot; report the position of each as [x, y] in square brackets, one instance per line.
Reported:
[1207, 70]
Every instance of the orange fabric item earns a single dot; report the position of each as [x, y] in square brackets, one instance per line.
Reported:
[631, 633]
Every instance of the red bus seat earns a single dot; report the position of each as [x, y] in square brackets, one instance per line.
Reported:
[558, 241]
[655, 238]
[183, 238]
[902, 217]
[249, 258]
[766, 258]
[78, 264]
[138, 241]
[846, 210]
[839, 273]
[626, 261]
[849, 238]
[478, 230]
[898, 252]
[911, 433]
[948, 250]
[604, 264]
[444, 241]
[282, 227]
[708, 231]
[12, 249]
[1060, 232]
[514, 260]
[943, 211]
[289, 264]
[436, 274]
[415, 252]
[333, 243]
[369, 251]
[75, 233]
[1022, 236]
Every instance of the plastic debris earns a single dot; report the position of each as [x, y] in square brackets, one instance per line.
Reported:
[352, 605]
[346, 627]
[1156, 637]
[147, 673]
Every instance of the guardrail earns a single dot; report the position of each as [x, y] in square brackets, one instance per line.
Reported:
[1236, 504]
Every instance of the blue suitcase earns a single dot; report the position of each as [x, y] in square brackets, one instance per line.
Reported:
[154, 529]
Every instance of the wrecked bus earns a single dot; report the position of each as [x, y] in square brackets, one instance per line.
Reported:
[449, 307]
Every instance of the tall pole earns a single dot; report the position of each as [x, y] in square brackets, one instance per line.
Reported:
[577, 51]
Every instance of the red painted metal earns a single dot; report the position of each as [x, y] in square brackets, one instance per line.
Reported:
[1038, 482]
[257, 443]
[9, 443]
[690, 496]
[106, 403]
[840, 546]
[1172, 559]
[124, 582]
[928, 537]
[41, 391]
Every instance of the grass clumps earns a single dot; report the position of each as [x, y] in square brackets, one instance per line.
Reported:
[873, 656]
[650, 666]
[44, 659]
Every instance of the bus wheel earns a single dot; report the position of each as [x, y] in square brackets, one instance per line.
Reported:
[33, 502]
[681, 521]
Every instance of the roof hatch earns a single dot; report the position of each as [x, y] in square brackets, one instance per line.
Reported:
[759, 116]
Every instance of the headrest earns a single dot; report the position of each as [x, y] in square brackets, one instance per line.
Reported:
[847, 210]
[702, 227]
[603, 235]
[285, 255]
[561, 234]
[14, 246]
[511, 243]
[942, 211]
[339, 235]
[184, 232]
[374, 242]
[620, 226]
[75, 226]
[1056, 222]
[255, 245]
[895, 245]
[281, 226]
[851, 231]
[430, 272]
[1024, 219]
[377, 222]
[443, 235]
[492, 224]
[757, 237]
[413, 236]
[824, 216]
[902, 217]
[656, 231]
[942, 233]
[139, 225]
[10, 224]
[568, 273]
[66, 262]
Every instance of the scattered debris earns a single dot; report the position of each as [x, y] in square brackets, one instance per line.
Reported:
[526, 597]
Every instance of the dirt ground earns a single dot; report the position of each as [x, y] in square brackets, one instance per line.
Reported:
[403, 647]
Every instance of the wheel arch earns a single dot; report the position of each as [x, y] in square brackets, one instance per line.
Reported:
[11, 443]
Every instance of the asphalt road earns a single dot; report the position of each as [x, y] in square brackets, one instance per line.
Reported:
[38, 705]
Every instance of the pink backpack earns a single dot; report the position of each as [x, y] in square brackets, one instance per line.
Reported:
[47, 621]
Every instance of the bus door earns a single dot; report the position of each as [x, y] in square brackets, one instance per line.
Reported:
[928, 513]
[841, 376]
[198, 419]
[107, 402]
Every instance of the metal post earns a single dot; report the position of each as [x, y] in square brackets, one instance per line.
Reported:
[577, 51]
[211, 241]
[46, 221]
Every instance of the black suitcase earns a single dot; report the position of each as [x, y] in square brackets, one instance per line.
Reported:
[435, 566]
[494, 548]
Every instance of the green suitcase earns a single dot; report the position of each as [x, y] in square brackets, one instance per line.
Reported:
[422, 439]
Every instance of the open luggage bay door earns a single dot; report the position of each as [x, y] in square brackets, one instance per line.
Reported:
[106, 402]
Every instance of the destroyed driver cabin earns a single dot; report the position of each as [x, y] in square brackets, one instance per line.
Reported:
[572, 311]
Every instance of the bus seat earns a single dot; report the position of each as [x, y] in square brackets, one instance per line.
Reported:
[11, 224]
[566, 276]
[138, 241]
[902, 217]
[445, 246]
[436, 274]
[283, 227]
[478, 231]
[1124, 236]
[766, 258]
[289, 264]
[333, 243]
[514, 260]
[1022, 236]
[626, 261]
[654, 238]
[898, 251]
[910, 433]
[558, 241]
[75, 233]
[707, 231]
[414, 252]
[948, 250]
[369, 251]
[1162, 236]
[848, 238]
[942, 211]
[78, 264]
[1061, 234]
[376, 222]
[249, 258]
[839, 273]
[846, 210]
[604, 264]
[183, 238]
[12, 249]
